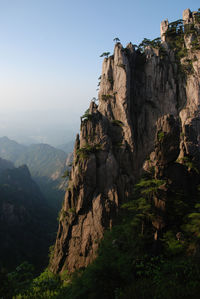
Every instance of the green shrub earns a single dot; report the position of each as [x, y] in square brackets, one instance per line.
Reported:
[106, 97]
[72, 210]
[84, 152]
[187, 161]
[51, 251]
[61, 215]
[160, 136]
[86, 116]
[66, 173]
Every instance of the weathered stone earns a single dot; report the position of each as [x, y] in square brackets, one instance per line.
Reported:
[167, 140]
[187, 16]
[147, 108]
[163, 29]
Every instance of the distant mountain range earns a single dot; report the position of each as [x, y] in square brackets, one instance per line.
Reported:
[41, 159]
[46, 164]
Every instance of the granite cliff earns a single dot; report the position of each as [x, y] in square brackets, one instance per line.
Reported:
[147, 117]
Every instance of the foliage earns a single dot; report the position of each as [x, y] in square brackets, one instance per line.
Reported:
[116, 40]
[86, 116]
[127, 265]
[105, 54]
[175, 38]
[167, 278]
[62, 214]
[84, 152]
[51, 252]
[189, 163]
[149, 186]
[160, 136]
[66, 174]
[197, 17]
[72, 210]
[155, 43]
[195, 45]
[193, 225]
[187, 67]
[142, 212]
[105, 97]
[117, 122]
[172, 245]
[142, 205]
[47, 285]
[17, 281]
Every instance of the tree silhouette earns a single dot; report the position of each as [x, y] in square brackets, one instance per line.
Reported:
[116, 40]
[94, 100]
[105, 54]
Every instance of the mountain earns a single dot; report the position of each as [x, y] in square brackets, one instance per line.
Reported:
[25, 220]
[129, 224]
[46, 163]
[43, 161]
[10, 149]
[5, 164]
[146, 122]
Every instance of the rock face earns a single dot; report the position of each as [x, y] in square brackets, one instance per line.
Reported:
[148, 107]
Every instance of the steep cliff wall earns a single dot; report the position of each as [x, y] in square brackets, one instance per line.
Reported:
[148, 107]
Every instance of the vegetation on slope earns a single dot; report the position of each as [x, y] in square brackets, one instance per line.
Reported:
[137, 258]
[131, 262]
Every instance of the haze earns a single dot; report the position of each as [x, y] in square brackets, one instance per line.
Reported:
[49, 58]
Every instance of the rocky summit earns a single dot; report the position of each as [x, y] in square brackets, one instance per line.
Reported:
[147, 117]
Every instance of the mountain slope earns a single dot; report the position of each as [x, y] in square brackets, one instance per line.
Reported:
[46, 163]
[129, 225]
[43, 160]
[10, 150]
[25, 219]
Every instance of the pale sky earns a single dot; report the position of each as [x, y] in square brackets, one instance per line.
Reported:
[49, 49]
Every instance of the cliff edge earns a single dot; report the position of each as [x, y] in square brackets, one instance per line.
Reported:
[148, 116]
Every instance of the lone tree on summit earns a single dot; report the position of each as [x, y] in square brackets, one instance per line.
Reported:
[105, 54]
[116, 40]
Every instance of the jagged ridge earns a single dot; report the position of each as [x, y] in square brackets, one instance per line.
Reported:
[143, 97]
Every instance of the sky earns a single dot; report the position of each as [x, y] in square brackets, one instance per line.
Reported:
[49, 54]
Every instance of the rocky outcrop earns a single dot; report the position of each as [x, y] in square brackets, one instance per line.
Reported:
[148, 107]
